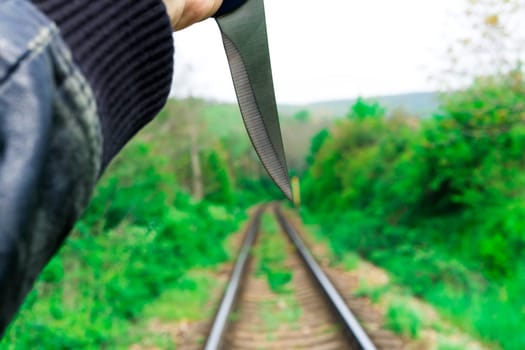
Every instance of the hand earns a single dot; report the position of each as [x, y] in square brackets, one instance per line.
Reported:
[184, 13]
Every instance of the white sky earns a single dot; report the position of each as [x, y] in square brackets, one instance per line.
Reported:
[330, 49]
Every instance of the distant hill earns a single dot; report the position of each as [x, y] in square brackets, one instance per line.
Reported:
[421, 104]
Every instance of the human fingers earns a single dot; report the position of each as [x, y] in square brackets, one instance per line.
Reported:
[184, 13]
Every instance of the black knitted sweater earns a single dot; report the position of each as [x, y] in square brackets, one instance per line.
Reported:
[125, 50]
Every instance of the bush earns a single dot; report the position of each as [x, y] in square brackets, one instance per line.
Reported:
[136, 241]
[402, 319]
[438, 202]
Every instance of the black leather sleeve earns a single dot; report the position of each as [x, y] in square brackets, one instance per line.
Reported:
[50, 148]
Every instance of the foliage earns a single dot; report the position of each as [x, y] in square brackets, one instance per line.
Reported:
[350, 261]
[493, 44]
[362, 110]
[271, 253]
[220, 187]
[275, 316]
[302, 116]
[317, 142]
[134, 245]
[374, 293]
[401, 319]
[438, 202]
[188, 302]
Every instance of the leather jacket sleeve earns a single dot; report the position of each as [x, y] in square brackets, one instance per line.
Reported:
[50, 147]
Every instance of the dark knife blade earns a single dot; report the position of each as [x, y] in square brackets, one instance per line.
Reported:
[246, 43]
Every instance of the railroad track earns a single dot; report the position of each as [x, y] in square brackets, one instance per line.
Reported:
[309, 314]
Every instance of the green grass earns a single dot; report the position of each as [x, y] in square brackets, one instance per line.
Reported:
[148, 340]
[125, 253]
[488, 308]
[403, 319]
[447, 345]
[350, 261]
[374, 293]
[271, 253]
[188, 301]
[285, 311]
[129, 254]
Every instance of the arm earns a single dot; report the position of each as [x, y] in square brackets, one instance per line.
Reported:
[77, 80]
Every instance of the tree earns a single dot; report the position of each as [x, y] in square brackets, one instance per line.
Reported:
[491, 42]
[364, 109]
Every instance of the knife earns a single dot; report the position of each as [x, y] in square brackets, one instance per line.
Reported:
[245, 41]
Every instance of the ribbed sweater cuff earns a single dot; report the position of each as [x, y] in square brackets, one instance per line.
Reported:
[125, 50]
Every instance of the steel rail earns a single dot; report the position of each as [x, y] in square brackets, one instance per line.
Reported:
[220, 323]
[353, 329]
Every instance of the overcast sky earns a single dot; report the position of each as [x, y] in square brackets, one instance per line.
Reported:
[330, 49]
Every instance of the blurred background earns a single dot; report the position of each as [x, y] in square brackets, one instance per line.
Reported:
[404, 122]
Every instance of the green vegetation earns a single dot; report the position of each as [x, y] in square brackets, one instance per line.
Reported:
[285, 311]
[350, 261]
[444, 345]
[151, 220]
[401, 319]
[374, 293]
[438, 202]
[135, 242]
[271, 253]
[187, 302]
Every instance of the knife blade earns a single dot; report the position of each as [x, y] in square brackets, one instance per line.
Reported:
[245, 41]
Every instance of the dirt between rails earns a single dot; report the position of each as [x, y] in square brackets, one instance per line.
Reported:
[296, 317]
